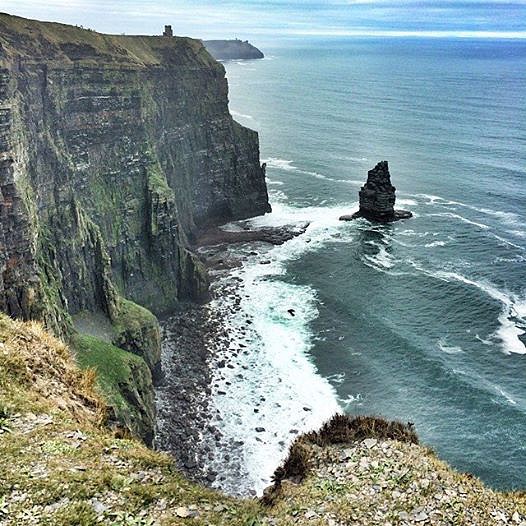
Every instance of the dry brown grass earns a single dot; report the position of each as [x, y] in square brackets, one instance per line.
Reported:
[340, 429]
[37, 367]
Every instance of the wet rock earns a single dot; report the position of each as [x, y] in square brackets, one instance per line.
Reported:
[271, 235]
[377, 198]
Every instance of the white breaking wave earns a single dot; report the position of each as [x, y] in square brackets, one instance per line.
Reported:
[436, 244]
[508, 218]
[289, 166]
[235, 113]
[273, 386]
[412, 233]
[508, 243]
[381, 260]
[273, 182]
[355, 159]
[518, 233]
[350, 401]
[448, 349]
[504, 394]
[512, 318]
[406, 202]
[336, 378]
[460, 218]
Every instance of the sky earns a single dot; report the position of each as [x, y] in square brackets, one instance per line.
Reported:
[264, 20]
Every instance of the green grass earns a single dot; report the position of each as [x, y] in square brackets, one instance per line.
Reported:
[59, 466]
[112, 365]
[132, 317]
[57, 457]
[34, 38]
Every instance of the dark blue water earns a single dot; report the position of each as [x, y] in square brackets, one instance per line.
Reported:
[422, 320]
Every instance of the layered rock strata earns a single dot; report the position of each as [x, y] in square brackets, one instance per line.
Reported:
[378, 197]
[115, 153]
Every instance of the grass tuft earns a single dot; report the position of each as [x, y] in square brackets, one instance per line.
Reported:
[340, 429]
[35, 367]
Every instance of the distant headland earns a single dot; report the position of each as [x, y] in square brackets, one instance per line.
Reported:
[232, 49]
[226, 49]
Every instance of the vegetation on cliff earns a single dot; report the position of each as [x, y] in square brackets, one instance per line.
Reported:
[125, 381]
[115, 151]
[60, 465]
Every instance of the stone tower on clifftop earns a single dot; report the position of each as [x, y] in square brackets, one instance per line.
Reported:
[168, 32]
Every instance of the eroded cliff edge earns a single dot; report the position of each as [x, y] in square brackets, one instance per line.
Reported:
[115, 152]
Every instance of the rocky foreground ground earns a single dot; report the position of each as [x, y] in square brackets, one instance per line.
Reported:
[60, 465]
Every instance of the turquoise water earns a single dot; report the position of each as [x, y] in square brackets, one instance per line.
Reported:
[422, 320]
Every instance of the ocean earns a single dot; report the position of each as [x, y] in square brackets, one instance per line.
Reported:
[422, 320]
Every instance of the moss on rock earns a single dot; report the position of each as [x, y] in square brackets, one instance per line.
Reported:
[137, 331]
[125, 381]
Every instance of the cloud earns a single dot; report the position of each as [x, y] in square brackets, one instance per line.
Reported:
[244, 18]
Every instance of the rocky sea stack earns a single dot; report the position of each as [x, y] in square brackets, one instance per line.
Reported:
[377, 198]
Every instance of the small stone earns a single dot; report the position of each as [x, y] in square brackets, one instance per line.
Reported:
[260, 429]
[364, 463]
[182, 512]
[310, 514]
[370, 442]
[421, 516]
[98, 507]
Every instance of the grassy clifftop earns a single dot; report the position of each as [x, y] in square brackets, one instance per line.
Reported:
[34, 39]
[60, 465]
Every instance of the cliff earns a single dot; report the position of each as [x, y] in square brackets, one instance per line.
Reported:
[70, 469]
[232, 49]
[115, 153]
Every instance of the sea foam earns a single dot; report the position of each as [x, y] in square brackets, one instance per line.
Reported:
[273, 386]
[512, 317]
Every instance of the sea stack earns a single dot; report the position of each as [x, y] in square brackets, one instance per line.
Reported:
[377, 198]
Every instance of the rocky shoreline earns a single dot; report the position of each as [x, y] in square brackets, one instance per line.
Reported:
[197, 345]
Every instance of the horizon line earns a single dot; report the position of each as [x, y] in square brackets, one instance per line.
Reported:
[504, 35]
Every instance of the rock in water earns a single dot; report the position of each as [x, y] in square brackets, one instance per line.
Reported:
[377, 198]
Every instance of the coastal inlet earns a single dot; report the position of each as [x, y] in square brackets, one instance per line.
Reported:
[234, 395]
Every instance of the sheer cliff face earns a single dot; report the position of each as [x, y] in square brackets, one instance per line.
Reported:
[114, 153]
